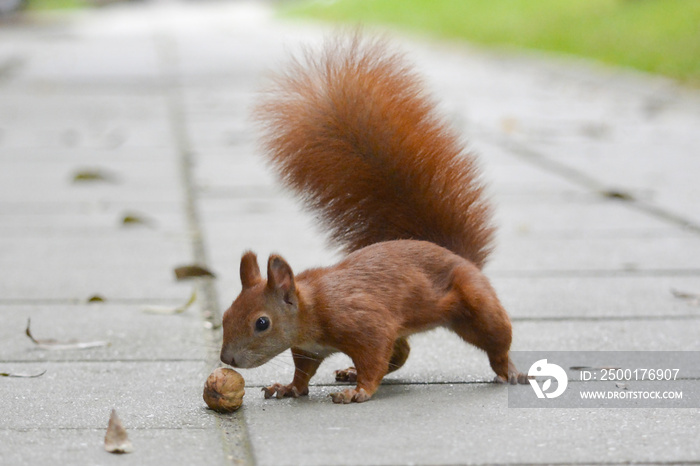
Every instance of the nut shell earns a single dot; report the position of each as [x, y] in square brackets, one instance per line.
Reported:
[223, 390]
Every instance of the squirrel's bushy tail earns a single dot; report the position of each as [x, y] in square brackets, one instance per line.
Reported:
[353, 133]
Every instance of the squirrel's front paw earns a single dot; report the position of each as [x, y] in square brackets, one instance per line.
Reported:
[350, 395]
[283, 391]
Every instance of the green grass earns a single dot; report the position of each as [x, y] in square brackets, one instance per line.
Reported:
[55, 4]
[658, 36]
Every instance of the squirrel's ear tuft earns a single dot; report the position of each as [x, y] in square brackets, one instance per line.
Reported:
[250, 272]
[281, 278]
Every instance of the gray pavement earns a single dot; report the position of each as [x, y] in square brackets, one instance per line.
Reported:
[156, 95]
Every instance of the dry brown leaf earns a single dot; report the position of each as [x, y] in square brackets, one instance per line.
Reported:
[691, 298]
[617, 194]
[116, 438]
[96, 299]
[84, 175]
[581, 368]
[591, 368]
[167, 310]
[136, 220]
[192, 271]
[51, 344]
[24, 376]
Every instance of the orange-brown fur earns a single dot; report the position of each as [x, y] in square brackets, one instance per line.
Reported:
[353, 133]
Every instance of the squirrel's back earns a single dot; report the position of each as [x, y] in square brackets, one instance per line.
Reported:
[352, 131]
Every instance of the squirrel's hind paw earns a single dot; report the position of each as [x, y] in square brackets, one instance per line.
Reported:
[515, 377]
[348, 375]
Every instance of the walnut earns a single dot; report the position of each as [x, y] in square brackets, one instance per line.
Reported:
[223, 391]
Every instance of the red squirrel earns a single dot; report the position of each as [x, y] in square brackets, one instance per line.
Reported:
[352, 131]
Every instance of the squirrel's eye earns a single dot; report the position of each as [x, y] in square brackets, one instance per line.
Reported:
[262, 324]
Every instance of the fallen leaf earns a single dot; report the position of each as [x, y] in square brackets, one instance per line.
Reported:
[691, 298]
[591, 368]
[168, 310]
[116, 439]
[96, 299]
[24, 376]
[192, 271]
[93, 175]
[622, 386]
[581, 368]
[135, 220]
[51, 344]
[617, 194]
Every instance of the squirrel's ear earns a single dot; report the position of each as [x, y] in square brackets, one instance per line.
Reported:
[250, 272]
[281, 278]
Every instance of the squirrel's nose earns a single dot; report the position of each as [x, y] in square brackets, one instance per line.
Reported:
[227, 358]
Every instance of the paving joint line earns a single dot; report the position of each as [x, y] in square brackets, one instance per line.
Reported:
[232, 428]
[400, 383]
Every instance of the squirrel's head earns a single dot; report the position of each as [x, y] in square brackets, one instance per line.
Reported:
[262, 321]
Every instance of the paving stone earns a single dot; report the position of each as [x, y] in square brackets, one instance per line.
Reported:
[409, 427]
[60, 119]
[89, 218]
[680, 252]
[597, 296]
[147, 395]
[119, 60]
[116, 266]
[85, 446]
[131, 333]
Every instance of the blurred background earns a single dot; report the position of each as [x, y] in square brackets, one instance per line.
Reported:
[658, 36]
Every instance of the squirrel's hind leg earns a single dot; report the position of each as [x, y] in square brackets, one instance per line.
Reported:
[481, 320]
[398, 358]
[348, 375]
[371, 368]
[399, 355]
